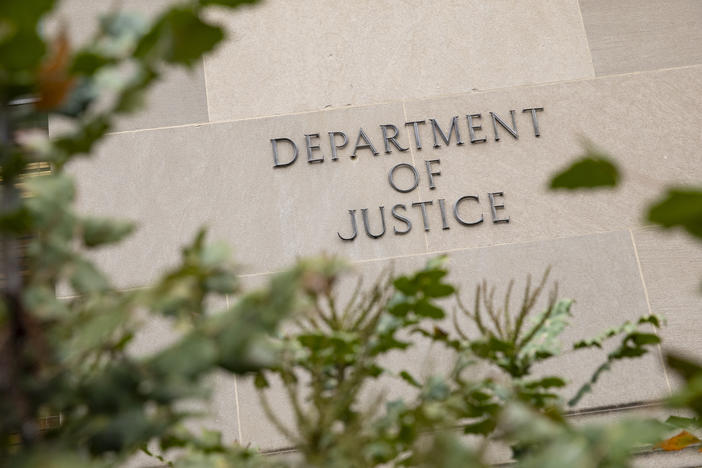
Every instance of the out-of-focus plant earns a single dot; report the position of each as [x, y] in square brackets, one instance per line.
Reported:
[72, 394]
[331, 359]
[680, 207]
[68, 360]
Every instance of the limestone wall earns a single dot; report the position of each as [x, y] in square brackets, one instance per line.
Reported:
[626, 75]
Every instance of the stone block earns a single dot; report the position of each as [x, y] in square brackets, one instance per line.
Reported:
[648, 123]
[288, 57]
[634, 35]
[671, 265]
[178, 98]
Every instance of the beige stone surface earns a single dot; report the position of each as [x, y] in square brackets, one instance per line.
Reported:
[308, 55]
[171, 181]
[634, 35]
[178, 98]
[671, 263]
[599, 271]
[648, 122]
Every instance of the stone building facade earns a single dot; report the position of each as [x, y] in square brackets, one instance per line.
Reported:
[444, 114]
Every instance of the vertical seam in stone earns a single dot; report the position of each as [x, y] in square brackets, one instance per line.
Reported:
[419, 188]
[587, 39]
[650, 311]
[207, 96]
[236, 394]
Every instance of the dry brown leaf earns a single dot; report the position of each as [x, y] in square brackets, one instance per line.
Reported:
[54, 80]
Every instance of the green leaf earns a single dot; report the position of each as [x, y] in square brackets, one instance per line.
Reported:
[547, 382]
[684, 423]
[681, 207]
[87, 62]
[407, 377]
[438, 290]
[260, 381]
[179, 37]
[86, 278]
[591, 171]
[55, 188]
[424, 308]
[228, 3]
[21, 46]
[642, 339]
[188, 358]
[100, 231]
[406, 286]
[684, 366]
[484, 427]
[544, 332]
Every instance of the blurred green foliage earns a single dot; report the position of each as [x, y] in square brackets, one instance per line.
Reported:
[677, 208]
[74, 394]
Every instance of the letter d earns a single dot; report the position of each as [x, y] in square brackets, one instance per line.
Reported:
[276, 159]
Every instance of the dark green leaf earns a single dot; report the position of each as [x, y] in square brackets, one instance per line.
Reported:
[684, 366]
[99, 231]
[641, 339]
[179, 37]
[684, 423]
[589, 172]
[438, 290]
[424, 308]
[547, 382]
[228, 3]
[681, 207]
[407, 377]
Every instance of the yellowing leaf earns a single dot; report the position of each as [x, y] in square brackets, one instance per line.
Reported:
[678, 442]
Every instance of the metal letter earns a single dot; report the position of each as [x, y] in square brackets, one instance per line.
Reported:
[334, 146]
[472, 128]
[407, 222]
[423, 206]
[512, 131]
[458, 218]
[417, 138]
[391, 176]
[494, 208]
[391, 139]
[442, 208]
[367, 144]
[311, 147]
[353, 225]
[276, 162]
[364, 213]
[447, 139]
[534, 120]
[431, 175]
